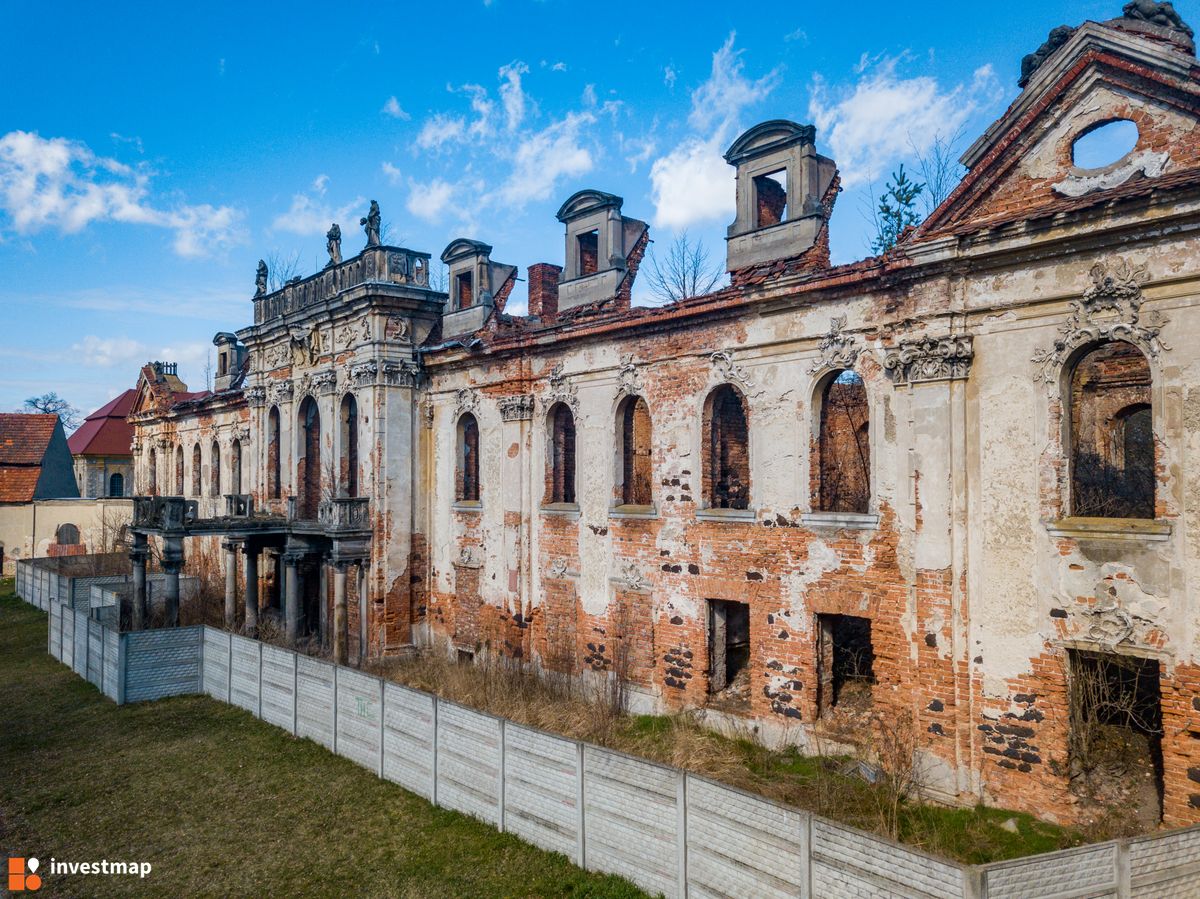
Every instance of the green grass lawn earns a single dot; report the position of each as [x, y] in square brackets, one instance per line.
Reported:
[222, 804]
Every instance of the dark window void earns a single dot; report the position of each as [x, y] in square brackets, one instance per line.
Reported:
[1116, 731]
[845, 661]
[222, 365]
[467, 480]
[589, 253]
[560, 487]
[196, 478]
[214, 461]
[116, 484]
[152, 464]
[308, 471]
[274, 470]
[635, 472]
[179, 471]
[727, 474]
[729, 650]
[844, 446]
[1112, 436]
[464, 296]
[348, 465]
[67, 535]
[770, 196]
[235, 467]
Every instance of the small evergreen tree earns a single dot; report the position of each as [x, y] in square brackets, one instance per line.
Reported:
[896, 211]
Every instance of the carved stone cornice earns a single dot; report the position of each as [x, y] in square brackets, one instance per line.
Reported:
[516, 408]
[281, 391]
[1108, 310]
[837, 349]
[401, 374]
[731, 372]
[921, 359]
[363, 374]
[323, 382]
[561, 390]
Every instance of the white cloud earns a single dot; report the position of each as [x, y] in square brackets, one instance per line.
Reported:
[511, 93]
[669, 77]
[545, 157]
[429, 200]
[392, 108]
[391, 173]
[883, 118]
[311, 215]
[105, 352]
[60, 183]
[692, 183]
[440, 129]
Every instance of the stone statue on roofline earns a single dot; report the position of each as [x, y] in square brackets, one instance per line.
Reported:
[333, 244]
[260, 279]
[1161, 14]
[371, 225]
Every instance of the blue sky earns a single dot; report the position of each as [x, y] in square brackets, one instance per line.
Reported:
[149, 158]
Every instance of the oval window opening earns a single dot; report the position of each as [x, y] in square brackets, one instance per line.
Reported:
[1105, 145]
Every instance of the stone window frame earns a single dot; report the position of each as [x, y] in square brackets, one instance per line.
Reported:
[550, 499]
[619, 507]
[820, 384]
[462, 500]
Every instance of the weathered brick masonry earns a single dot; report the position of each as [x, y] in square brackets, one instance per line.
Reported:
[872, 474]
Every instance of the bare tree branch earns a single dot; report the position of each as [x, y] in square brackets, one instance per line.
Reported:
[686, 271]
[53, 404]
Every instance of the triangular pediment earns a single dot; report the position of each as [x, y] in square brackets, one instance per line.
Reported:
[1023, 164]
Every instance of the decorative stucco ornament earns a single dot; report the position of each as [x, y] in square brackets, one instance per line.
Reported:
[1147, 163]
[466, 400]
[731, 372]
[837, 349]
[629, 379]
[517, 408]
[363, 373]
[632, 577]
[558, 568]
[930, 359]
[1108, 310]
[561, 390]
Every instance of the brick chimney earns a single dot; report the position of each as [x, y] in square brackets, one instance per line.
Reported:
[543, 290]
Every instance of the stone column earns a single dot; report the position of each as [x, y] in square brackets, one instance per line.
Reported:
[339, 612]
[172, 564]
[362, 613]
[251, 575]
[291, 575]
[230, 548]
[138, 555]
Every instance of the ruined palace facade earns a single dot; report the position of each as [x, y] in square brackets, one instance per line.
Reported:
[953, 477]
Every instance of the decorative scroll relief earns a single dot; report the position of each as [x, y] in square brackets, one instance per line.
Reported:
[427, 413]
[353, 333]
[274, 356]
[256, 396]
[629, 379]
[281, 392]
[516, 408]
[466, 400]
[837, 349]
[320, 381]
[558, 568]
[730, 372]
[396, 329]
[631, 578]
[923, 359]
[1108, 310]
[469, 557]
[1147, 162]
[561, 390]
[363, 374]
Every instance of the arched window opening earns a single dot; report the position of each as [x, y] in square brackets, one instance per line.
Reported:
[348, 473]
[1112, 434]
[308, 468]
[116, 484]
[196, 470]
[560, 476]
[152, 464]
[274, 479]
[727, 450]
[214, 476]
[235, 467]
[67, 535]
[844, 445]
[466, 480]
[179, 471]
[634, 470]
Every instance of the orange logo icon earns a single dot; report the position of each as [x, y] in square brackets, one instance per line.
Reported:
[18, 878]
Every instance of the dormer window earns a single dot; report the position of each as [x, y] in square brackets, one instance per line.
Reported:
[589, 252]
[222, 365]
[463, 293]
[770, 198]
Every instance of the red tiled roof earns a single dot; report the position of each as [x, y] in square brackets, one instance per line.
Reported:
[106, 432]
[23, 443]
[24, 438]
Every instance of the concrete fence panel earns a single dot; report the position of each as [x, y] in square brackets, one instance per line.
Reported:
[408, 739]
[216, 663]
[848, 862]
[359, 718]
[244, 684]
[279, 687]
[315, 700]
[470, 762]
[162, 663]
[1166, 865]
[95, 657]
[542, 789]
[113, 664]
[1089, 871]
[632, 812]
[743, 845]
[68, 635]
[55, 631]
[79, 655]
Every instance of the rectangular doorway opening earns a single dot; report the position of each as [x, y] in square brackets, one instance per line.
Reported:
[729, 652]
[1115, 739]
[846, 663]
